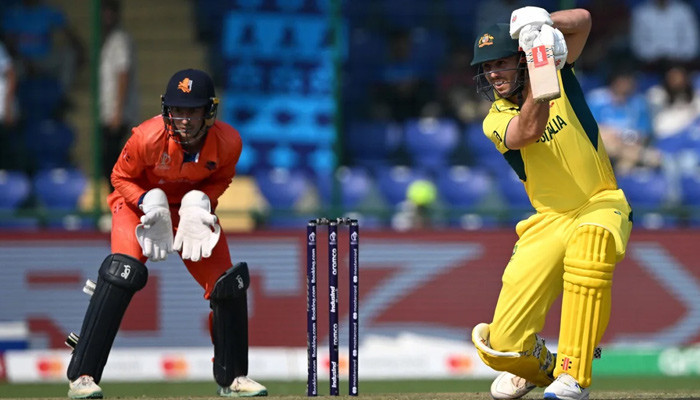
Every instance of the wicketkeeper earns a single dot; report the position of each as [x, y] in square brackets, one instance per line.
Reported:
[582, 224]
[167, 181]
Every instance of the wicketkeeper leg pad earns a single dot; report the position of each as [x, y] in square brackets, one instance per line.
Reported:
[588, 269]
[120, 276]
[229, 305]
[535, 365]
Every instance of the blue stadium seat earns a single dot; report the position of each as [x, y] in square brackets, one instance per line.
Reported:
[482, 151]
[430, 141]
[463, 187]
[513, 191]
[49, 143]
[281, 187]
[40, 97]
[371, 144]
[690, 189]
[393, 181]
[355, 184]
[645, 189]
[15, 188]
[59, 188]
[283, 156]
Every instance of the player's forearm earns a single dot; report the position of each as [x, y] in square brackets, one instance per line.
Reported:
[529, 125]
[577, 20]
[575, 24]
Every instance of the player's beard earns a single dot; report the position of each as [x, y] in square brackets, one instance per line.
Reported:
[516, 83]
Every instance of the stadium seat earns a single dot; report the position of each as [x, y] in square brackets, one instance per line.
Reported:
[49, 143]
[15, 188]
[463, 187]
[283, 189]
[371, 144]
[59, 188]
[690, 189]
[431, 141]
[393, 181]
[40, 97]
[462, 190]
[355, 184]
[512, 191]
[482, 151]
[645, 189]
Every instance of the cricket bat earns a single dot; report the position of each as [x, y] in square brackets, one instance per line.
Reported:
[544, 82]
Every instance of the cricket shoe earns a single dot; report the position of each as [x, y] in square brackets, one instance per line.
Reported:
[509, 386]
[84, 388]
[243, 387]
[565, 387]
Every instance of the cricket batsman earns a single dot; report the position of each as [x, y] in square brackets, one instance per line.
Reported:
[167, 182]
[582, 222]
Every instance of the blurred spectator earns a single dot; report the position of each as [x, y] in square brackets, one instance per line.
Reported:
[118, 90]
[675, 106]
[9, 154]
[494, 11]
[608, 42]
[675, 103]
[624, 122]
[29, 28]
[663, 31]
[402, 92]
[456, 91]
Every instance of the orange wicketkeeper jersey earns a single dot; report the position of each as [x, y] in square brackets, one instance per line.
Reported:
[152, 159]
[568, 165]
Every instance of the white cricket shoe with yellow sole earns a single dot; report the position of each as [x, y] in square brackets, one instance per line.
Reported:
[243, 387]
[509, 386]
[84, 388]
[565, 387]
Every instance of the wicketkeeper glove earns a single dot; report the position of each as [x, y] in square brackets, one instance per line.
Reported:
[155, 232]
[534, 16]
[198, 232]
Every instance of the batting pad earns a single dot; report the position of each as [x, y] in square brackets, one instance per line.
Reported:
[229, 324]
[588, 269]
[535, 365]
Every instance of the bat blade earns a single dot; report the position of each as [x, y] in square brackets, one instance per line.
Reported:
[544, 81]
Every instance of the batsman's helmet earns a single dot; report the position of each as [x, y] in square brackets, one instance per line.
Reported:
[494, 43]
[191, 88]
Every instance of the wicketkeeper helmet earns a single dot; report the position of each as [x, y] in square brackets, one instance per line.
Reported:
[190, 88]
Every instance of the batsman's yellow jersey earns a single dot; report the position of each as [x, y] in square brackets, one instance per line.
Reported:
[568, 165]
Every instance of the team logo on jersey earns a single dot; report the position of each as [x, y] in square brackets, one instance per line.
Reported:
[486, 40]
[164, 162]
[185, 85]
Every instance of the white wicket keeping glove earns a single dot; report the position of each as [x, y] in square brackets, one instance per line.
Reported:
[559, 49]
[155, 232]
[198, 232]
[528, 34]
[529, 15]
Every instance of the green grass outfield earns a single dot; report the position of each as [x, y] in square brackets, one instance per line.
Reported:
[604, 388]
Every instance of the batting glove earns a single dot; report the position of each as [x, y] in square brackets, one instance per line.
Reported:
[198, 232]
[155, 232]
[529, 15]
[559, 49]
[528, 34]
